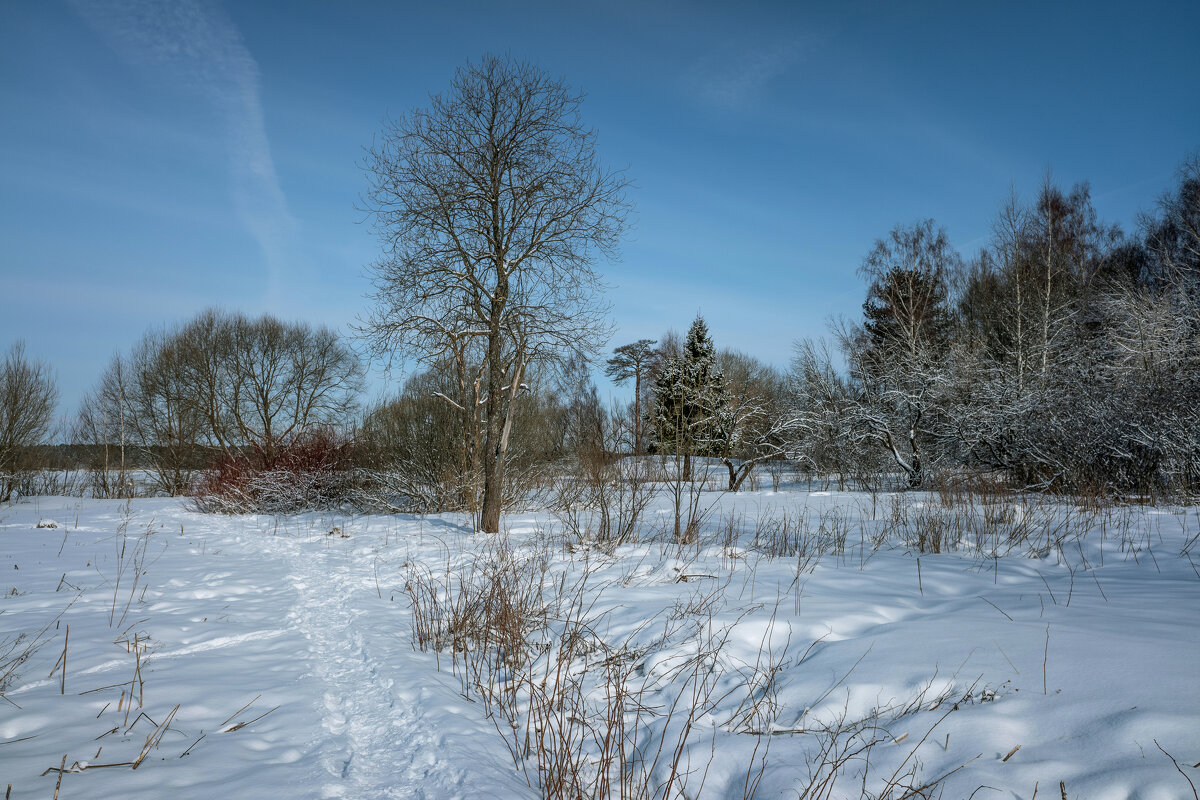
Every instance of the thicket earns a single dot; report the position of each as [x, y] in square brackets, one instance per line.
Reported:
[424, 448]
[220, 390]
[1064, 356]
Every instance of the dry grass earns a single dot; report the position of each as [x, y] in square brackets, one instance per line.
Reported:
[583, 715]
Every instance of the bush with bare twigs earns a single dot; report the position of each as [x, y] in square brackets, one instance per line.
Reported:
[314, 471]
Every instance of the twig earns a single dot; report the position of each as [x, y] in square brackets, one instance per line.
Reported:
[22, 739]
[1006, 658]
[980, 789]
[241, 725]
[62, 661]
[993, 605]
[77, 767]
[1048, 589]
[155, 737]
[1011, 753]
[138, 717]
[1177, 767]
[193, 744]
[240, 710]
[1045, 658]
[919, 791]
[102, 688]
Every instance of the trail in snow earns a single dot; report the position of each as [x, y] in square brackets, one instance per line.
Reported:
[383, 738]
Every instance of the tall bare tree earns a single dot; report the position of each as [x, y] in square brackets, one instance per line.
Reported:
[284, 379]
[894, 356]
[491, 206]
[145, 401]
[1173, 231]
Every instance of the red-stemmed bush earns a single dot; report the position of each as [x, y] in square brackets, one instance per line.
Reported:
[313, 471]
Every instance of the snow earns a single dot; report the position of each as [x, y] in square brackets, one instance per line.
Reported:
[284, 648]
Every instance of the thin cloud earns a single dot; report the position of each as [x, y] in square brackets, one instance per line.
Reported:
[195, 46]
[732, 78]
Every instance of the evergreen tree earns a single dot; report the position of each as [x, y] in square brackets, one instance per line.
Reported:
[907, 315]
[632, 361]
[689, 399]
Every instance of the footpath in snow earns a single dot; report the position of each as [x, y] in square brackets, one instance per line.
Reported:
[233, 618]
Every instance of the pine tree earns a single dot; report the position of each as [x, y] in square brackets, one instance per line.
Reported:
[689, 399]
[632, 361]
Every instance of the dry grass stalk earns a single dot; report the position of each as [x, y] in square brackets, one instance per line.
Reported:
[58, 783]
[155, 737]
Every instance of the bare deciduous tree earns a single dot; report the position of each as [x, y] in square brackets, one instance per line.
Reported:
[894, 358]
[144, 401]
[222, 381]
[424, 443]
[285, 379]
[1173, 231]
[491, 206]
[755, 425]
[28, 395]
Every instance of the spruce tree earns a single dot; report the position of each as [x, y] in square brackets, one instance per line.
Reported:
[689, 398]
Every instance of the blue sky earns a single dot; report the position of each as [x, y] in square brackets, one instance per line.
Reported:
[157, 158]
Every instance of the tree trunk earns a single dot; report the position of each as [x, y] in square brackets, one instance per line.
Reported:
[495, 443]
[738, 475]
[1046, 304]
[493, 458]
[637, 413]
[917, 476]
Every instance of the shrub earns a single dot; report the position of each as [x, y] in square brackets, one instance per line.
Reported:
[313, 471]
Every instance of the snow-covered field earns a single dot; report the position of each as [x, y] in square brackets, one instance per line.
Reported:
[805, 646]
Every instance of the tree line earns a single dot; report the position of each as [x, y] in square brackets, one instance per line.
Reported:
[1061, 357]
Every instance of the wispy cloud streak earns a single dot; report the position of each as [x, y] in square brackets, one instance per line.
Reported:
[195, 46]
[732, 77]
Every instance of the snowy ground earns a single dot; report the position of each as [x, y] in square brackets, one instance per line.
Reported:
[274, 657]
